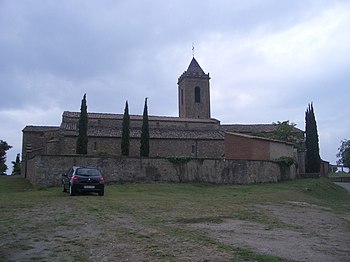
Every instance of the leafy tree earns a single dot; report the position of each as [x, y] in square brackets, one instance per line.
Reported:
[126, 131]
[344, 153]
[16, 166]
[312, 158]
[82, 141]
[3, 148]
[144, 148]
[286, 131]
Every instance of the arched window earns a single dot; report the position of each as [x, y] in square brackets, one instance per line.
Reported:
[197, 94]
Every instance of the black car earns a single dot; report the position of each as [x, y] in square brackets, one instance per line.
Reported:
[83, 179]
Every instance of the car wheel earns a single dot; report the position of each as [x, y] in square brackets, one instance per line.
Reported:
[101, 193]
[64, 187]
[71, 191]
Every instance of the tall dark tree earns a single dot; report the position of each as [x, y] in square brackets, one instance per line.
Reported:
[82, 141]
[16, 170]
[3, 148]
[144, 148]
[126, 131]
[312, 158]
[344, 153]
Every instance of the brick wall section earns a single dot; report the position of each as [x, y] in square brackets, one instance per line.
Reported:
[46, 170]
[239, 146]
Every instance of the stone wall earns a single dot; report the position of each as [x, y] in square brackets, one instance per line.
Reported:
[46, 170]
[196, 148]
[281, 149]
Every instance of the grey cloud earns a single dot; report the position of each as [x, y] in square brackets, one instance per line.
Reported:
[52, 52]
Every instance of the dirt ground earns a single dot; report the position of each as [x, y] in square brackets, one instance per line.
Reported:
[323, 236]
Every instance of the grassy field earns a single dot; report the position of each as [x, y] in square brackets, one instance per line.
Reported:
[339, 177]
[144, 222]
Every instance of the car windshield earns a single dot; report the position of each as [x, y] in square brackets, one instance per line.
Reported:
[88, 172]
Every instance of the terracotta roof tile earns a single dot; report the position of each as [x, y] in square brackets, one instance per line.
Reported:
[258, 138]
[139, 117]
[40, 128]
[252, 128]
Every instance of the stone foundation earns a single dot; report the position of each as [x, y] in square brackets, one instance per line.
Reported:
[46, 170]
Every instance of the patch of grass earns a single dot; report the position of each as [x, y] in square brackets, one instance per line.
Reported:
[18, 245]
[325, 193]
[52, 215]
[10, 184]
[340, 174]
[248, 255]
[194, 220]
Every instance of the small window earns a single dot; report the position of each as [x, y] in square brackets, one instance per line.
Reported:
[95, 146]
[197, 94]
[193, 149]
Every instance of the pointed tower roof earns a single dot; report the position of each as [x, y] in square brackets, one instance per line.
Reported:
[194, 70]
[194, 67]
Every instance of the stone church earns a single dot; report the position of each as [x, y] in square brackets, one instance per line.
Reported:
[193, 133]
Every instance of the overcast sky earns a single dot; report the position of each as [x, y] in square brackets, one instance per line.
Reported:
[267, 60]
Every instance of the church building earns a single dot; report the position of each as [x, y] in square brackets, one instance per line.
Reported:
[193, 133]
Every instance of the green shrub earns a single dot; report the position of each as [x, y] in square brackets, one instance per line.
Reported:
[285, 162]
[179, 160]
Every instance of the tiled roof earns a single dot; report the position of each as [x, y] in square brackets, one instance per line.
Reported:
[139, 117]
[40, 128]
[252, 128]
[93, 115]
[259, 138]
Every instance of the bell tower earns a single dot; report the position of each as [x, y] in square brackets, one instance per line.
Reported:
[193, 92]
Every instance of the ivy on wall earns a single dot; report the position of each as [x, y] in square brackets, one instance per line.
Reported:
[285, 163]
[179, 160]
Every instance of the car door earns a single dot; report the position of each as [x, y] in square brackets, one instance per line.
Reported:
[67, 177]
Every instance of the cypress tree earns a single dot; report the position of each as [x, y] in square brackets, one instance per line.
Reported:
[312, 158]
[16, 166]
[144, 148]
[82, 141]
[125, 131]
